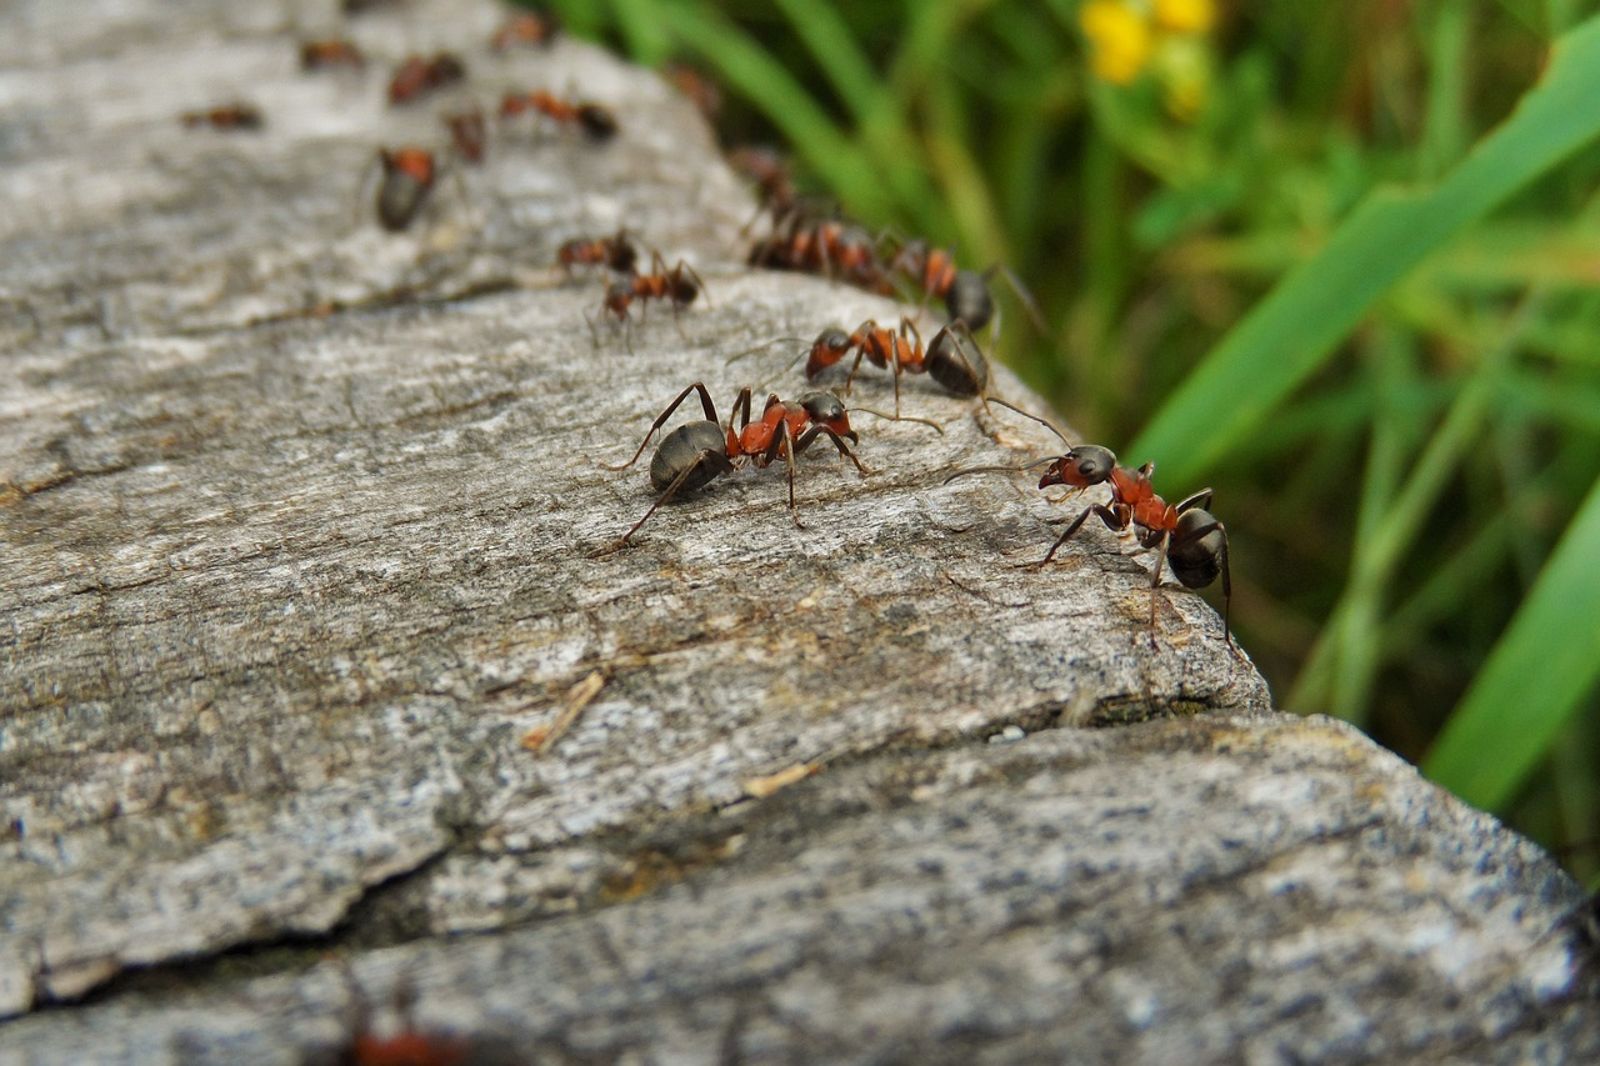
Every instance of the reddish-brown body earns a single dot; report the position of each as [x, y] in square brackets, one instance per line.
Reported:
[699, 89]
[679, 286]
[418, 76]
[227, 117]
[616, 252]
[771, 174]
[408, 1049]
[529, 29]
[829, 248]
[324, 55]
[934, 272]
[469, 133]
[408, 177]
[596, 120]
[756, 438]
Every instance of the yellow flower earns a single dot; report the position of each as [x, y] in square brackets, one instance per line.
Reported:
[1119, 38]
[1186, 16]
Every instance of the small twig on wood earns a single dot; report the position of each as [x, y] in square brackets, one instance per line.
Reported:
[541, 739]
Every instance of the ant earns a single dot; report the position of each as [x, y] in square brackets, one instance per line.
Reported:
[596, 120]
[469, 134]
[616, 252]
[417, 76]
[695, 454]
[226, 117]
[360, 7]
[409, 1045]
[680, 286]
[694, 86]
[327, 54]
[531, 28]
[960, 368]
[1185, 534]
[409, 175]
[822, 248]
[965, 292]
[774, 180]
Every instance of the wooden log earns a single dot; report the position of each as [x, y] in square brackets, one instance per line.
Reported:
[313, 641]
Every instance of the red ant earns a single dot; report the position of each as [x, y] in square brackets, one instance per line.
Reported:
[409, 175]
[680, 286]
[532, 28]
[965, 292]
[325, 55]
[1186, 534]
[616, 252]
[954, 359]
[822, 248]
[773, 179]
[409, 1045]
[698, 89]
[596, 120]
[469, 134]
[226, 117]
[693, 455]
[417, 76]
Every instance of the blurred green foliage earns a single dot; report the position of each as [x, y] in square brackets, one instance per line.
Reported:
[1341, 261]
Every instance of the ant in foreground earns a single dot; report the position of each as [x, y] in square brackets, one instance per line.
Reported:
[529, 29]
[226, 117]
[695, 454]
[595, 120]
[965, 292]
[330, 54]
[418, 76]
[616, 252]
[1185, 534]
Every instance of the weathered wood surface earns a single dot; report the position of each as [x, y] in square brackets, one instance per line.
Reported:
[301, 530]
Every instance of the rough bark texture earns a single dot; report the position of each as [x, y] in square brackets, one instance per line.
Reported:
[303, 543]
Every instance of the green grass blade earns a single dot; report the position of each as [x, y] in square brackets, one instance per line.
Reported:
[1536, 677]
[751, 71]
[834, 49]
[641, 26]
[1293, 331]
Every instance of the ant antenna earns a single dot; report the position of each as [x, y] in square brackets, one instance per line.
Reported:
[995, 469]
[1046, 423]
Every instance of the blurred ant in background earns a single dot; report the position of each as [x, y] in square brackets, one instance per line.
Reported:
[528, 29]
[616, 253]
[773, 178]
[416, 76]
[330, 54]
[469, 133]
[409, 175]
[1184, 534]
[226, 117]
[595, 120]
[698, 89]
[679, 286]
[695, 454]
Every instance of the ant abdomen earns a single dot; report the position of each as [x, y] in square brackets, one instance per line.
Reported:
[960, 368]
[968, 299]
[1197, 560]
[685, 447]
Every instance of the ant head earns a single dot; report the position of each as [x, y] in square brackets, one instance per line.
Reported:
[955, 362]
[826, 409]
[1085, 465]
[1195, 556]
[597, 121]
[968, 299]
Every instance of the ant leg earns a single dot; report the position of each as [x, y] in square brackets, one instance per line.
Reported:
[786, 443]
[724, 467]
[1155, 584]
[1106, 516]
[1222, 558]
[706, 405]
[845, 450]
[741, 409]
[1201, 499]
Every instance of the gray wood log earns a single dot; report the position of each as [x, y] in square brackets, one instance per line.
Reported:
[303, 529]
